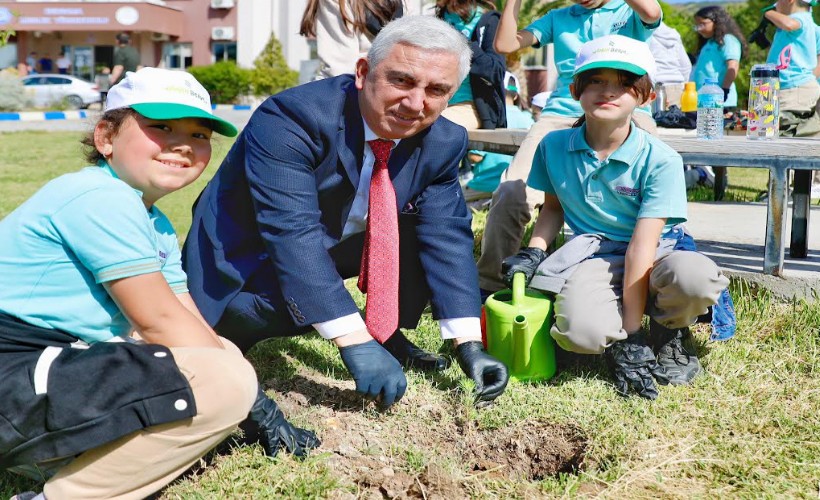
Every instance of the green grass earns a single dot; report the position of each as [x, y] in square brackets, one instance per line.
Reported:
[747, 428]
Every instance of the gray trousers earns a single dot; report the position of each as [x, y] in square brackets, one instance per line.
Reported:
[588, 310]
[513, 201]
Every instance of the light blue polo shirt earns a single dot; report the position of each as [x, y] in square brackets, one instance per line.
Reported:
[711, 64]
[803, 45]
[76, 233]
[464, 93]
[571, 27]
[642, 179]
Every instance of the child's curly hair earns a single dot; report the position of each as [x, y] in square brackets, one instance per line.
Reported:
[724, 25]
[113, 121]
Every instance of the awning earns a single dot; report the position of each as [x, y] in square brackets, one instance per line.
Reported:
[91, 16]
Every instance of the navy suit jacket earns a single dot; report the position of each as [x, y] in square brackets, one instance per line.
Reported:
[276, 208]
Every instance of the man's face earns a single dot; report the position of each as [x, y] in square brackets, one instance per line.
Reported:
[407, 91]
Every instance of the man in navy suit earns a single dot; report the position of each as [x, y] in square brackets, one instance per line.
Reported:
[282, 222]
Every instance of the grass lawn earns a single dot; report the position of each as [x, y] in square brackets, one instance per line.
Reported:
[748, 427]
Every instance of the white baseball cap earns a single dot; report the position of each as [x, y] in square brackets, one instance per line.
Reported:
[616, 52]
[540, 99]
[164, 94]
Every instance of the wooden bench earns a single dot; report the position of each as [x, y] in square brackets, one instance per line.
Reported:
[779, 156]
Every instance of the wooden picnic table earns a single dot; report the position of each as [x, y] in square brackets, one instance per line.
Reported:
[779, 156]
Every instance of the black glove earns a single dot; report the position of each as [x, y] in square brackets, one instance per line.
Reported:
[631, 361]
[276, 432]
[489, 374]
[725, 94]
[376, 372]
[758, 36]
[525, 261]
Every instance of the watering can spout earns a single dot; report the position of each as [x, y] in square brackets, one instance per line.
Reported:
[521, 340]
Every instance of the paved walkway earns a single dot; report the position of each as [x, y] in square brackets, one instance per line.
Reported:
[732, 234]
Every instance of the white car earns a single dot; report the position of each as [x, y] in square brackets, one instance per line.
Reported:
[47, 89]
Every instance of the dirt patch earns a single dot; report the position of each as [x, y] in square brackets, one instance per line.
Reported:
[426, 447]
[528, 450]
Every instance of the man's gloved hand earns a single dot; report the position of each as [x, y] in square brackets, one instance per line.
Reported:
[489, 374]
[276, 432]
[525, 261]
[377, 373]
[631, 362]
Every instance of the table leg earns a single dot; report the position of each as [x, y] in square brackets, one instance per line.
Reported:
[776, 221]
[801, 209]
[721, 182]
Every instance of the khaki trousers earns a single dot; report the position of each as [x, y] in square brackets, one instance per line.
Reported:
[802, 98]
[588, 310]
[464, 114]
[513, 202]
[224, 386]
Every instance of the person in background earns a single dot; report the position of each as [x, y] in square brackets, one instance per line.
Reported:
[479, 100]
[103, 82]
[673, 63]
[720, 47]
[118, 385]
[624, 259]
[126, 58]
[45, 64]
[31, 63]
[355, 175]
[344, 30]
[488, 167]
[567, 29]
[63, 64]
[539, 100]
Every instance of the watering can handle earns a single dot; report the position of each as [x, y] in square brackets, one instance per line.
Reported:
[519, 288]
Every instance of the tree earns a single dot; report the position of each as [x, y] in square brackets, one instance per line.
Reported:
[271, 73]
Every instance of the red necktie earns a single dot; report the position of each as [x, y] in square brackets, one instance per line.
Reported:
[379, 275]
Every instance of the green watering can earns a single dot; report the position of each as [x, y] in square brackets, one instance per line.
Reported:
[517, 326]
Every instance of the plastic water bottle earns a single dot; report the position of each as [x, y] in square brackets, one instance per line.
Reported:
[710, 111]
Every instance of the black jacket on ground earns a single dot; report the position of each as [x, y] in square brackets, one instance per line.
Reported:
[487, 73]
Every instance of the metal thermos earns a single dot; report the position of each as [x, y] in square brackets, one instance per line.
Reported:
[659, 104]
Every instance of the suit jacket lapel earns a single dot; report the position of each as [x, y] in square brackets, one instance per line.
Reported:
[402, 168]
[350, 141]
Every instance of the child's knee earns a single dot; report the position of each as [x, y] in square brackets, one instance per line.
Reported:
[586, 334]
[689, 274]
[223, 382]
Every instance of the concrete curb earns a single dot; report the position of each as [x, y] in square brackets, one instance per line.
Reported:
[41, 116]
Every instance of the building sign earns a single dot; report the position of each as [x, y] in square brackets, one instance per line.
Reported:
[75, 16]
[60, 16]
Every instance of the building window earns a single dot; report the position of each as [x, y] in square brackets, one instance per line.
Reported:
[224, 51]
[177, 55]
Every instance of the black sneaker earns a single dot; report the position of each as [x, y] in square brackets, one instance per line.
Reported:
[677, 363]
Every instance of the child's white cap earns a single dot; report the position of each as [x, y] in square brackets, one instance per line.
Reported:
[540, 99]
[616, 52]
[164, 94]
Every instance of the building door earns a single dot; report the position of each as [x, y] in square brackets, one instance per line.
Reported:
[82, 62]
[103, 56]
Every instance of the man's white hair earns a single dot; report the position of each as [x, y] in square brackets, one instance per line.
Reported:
[426, 33]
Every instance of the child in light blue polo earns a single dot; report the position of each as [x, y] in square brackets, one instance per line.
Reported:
[720, 46]
[567, 29]
[794, 51]
[622, 193]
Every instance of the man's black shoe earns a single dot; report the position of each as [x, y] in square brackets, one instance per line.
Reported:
[411, 356]
[677, 364]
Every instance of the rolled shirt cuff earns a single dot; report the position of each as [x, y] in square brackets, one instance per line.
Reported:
[452, 328]
[340, 326]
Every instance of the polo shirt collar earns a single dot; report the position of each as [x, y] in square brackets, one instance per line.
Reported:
[577, 10]
[628, 152]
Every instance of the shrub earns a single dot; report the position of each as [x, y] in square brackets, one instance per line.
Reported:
[224, 81]
[271, 72]
[12, 94]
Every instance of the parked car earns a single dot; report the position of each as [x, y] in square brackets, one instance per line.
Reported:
[46, 89]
